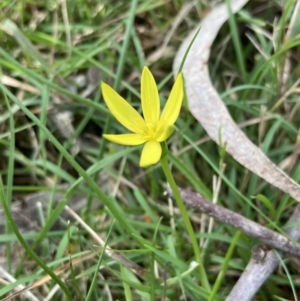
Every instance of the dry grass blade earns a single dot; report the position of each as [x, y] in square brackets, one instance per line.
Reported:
[113, 254]
[60, 271]
[10, 278]
[12, 82]
[208, 108]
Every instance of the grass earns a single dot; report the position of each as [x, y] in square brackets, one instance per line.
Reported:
[45, 50]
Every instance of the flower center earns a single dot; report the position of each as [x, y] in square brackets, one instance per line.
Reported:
[151, 131]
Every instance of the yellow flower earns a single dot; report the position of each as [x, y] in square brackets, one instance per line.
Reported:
[154, 127]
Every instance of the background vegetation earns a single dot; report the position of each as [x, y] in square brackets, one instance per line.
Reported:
[53, 55]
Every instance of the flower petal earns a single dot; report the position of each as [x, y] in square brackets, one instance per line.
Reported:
[126, 139]
[172, 108]
[165, 134]
[151, 153]
[122, 110]
[149, 97]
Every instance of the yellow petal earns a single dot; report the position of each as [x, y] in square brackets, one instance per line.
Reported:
[122, 110]
[126, 139]
[165, 134]
[149, 97]
[172, 108]
[151, 153]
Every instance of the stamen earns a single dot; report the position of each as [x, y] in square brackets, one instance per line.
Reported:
[151, 131]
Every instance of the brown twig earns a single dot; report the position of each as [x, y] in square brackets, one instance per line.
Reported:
[269, 237]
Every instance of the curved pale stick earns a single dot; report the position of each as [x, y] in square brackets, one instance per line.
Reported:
[259, 268]
[208, 108]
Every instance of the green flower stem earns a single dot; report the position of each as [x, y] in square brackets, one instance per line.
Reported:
[180, 204]
[28, 249]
